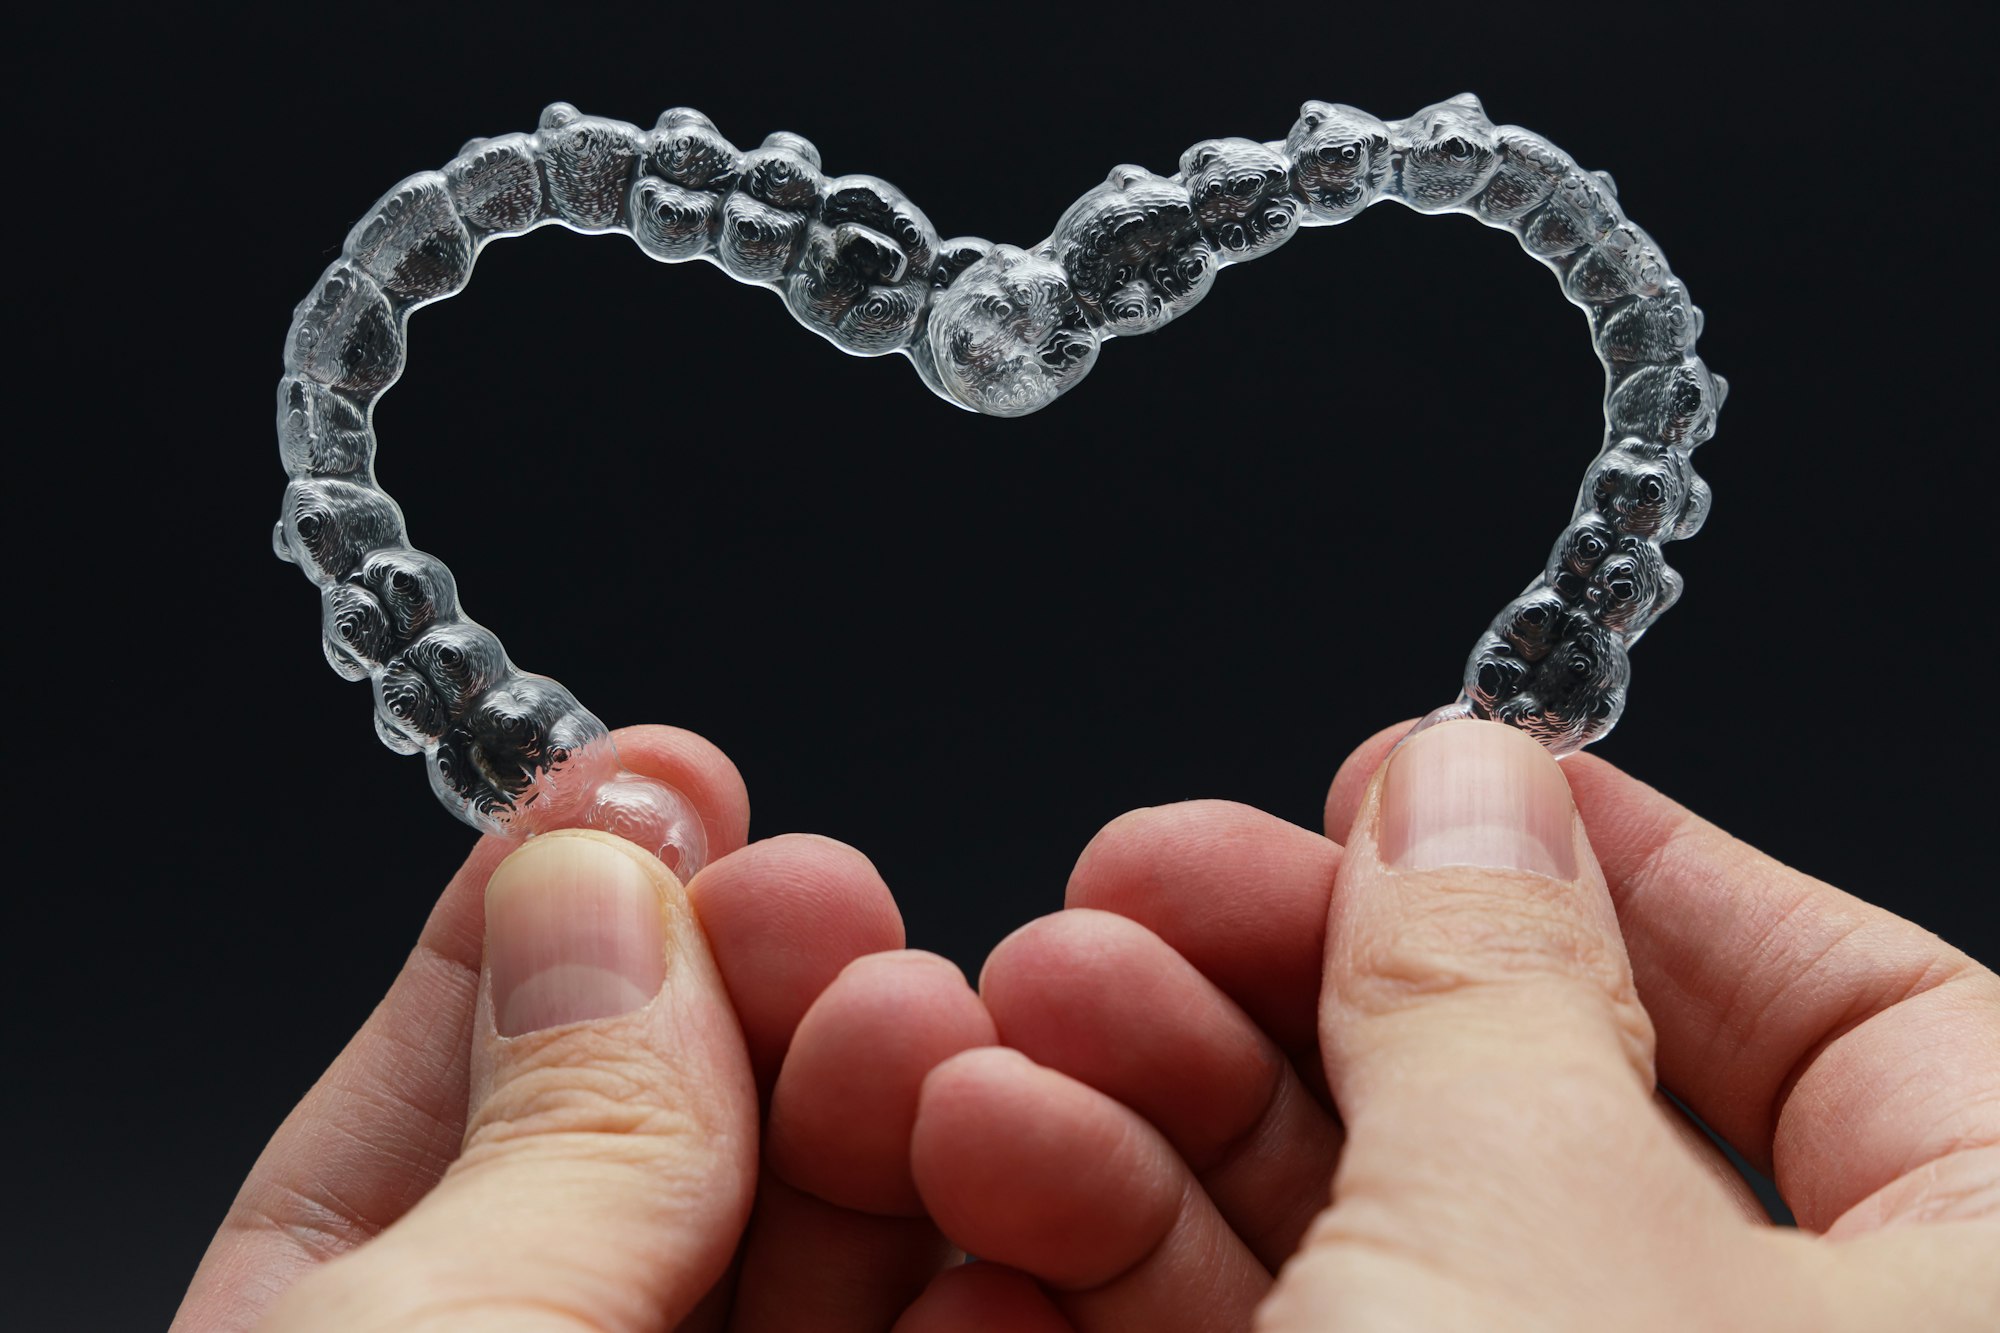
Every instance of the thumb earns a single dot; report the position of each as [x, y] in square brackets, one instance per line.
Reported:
[610, 1145]
[1470, 926]
[1487, 1049]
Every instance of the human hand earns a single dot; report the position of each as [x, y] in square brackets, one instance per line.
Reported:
[1469, 976]
[604, 1175]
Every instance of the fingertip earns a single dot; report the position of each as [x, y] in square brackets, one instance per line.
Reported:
[1240, 894]
[1031, 950]
[680, 758]
[1124, 858]
[1350, 784]
[1029, 1167]
[967, 1075]
[1104, 1000]
[818, 887]
[1041, 966]
[955, 1097]
[700, 771]
[1106, 845]
[846, 1098]
[783, 917]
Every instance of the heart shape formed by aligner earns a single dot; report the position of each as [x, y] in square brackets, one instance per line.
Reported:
[993, 328]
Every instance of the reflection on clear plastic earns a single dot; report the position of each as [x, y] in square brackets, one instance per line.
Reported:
[998, 329]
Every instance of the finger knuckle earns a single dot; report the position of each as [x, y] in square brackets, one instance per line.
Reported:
[1475, 935]
[602, 1101]
[1474, 940]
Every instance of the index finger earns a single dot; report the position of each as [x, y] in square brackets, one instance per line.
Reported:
[1851, 1053]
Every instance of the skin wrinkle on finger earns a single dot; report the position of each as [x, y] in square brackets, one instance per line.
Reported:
[1448, 932]
[442, 1259]
[346, 1216]
[1861, 1010]
[591, 1101]
[1339, 1281]
[1821, 985]
[1539, 1146]
[320, 1226]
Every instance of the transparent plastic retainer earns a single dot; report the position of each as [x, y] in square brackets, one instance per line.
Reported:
[997, 329]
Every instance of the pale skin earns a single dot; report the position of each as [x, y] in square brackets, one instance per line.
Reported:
[1250, 1076]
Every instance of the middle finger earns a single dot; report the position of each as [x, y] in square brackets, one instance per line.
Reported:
[1107, 1002]
[1240, 894]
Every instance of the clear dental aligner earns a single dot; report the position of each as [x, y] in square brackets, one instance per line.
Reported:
[993, 328]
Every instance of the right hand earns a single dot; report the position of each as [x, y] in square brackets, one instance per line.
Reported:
[1444, 1020]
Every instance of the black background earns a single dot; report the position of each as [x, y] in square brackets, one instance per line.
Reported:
[957, 643]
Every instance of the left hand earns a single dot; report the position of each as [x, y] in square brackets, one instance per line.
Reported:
[542, 1127]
